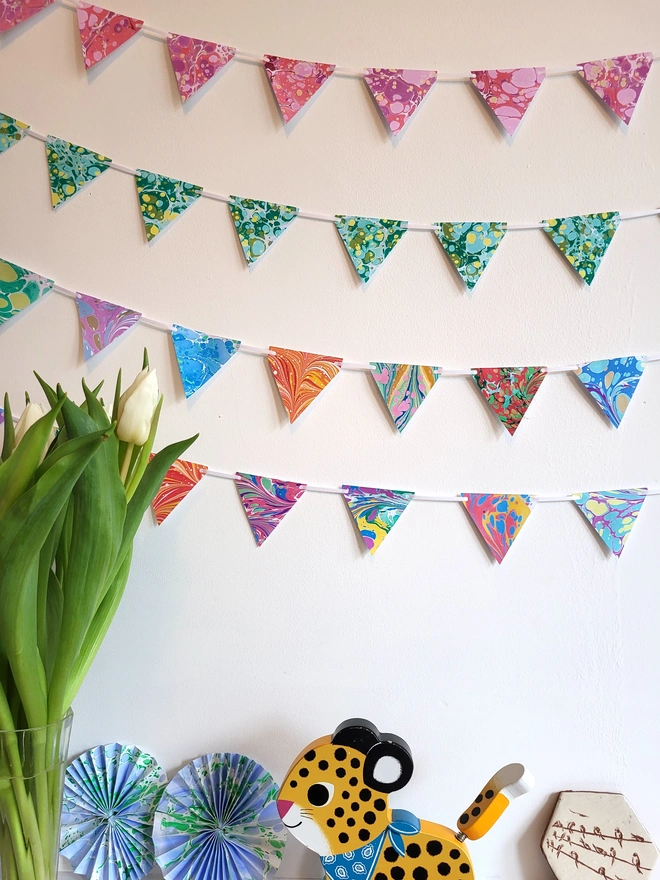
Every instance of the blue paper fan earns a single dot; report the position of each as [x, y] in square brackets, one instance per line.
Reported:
[110, 796]
[217, 820]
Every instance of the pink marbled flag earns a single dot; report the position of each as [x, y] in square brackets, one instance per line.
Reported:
[509, 93]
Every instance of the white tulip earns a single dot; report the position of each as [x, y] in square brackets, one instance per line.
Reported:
[31, 414]
[136, 408]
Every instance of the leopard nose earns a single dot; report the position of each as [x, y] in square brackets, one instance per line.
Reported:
[283, 807]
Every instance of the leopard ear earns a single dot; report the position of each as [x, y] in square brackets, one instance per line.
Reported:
[356, 733]
[388, 765]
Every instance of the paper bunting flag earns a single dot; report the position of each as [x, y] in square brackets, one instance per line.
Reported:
[375, 511]
[11, 131]
[200, 356]
[470, 246]
[19, 288]
[2, 416]
[509, 93]
[369, 240]
[70, 168]
[618, 81]
[509, 391]
[301, 376]
[102, 322]
[499, 519]
[612, 514]
[295, 82]
[103, 31]
[180, 479]
[266, 502]
[195, 62]
[612, 384]
[259, 224]
[403, 387]
[398, 93]
[13, 12]
[110, 797]
[163, 199]
[583, 239]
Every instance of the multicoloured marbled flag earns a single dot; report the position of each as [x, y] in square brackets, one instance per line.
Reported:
[301, 376]
[612, 384]
[294, 82]
[11, 131]
[403, 387]
[19, 288]
[369, 240]
[499, 519]
[612, 514]
[2, 416]
[200, 356]
[375, 511]
[583, 239]
[180, 479]
[509, 93]
[470, 246]
[71, 167]
[163, 199]
[13, 12]
[618, 81]
[266, 502]
[259, 224]
[398, 92]
[509, 391]
[102, 32]
[102, 322]
[195, 62]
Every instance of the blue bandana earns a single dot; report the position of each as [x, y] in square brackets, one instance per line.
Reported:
[359, 864]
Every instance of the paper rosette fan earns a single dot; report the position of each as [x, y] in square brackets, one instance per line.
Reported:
[217, 820]
[110, 797]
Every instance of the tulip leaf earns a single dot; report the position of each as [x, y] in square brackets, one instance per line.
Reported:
[8, 434]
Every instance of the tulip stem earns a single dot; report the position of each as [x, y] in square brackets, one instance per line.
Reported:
[126, 463]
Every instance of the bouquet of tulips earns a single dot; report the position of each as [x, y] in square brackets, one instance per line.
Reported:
[75, 481]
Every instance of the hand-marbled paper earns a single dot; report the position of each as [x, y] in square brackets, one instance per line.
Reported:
[71, 167]
[195, 62]
[259, 224]
[180, 479]
[369, 240]
[398, 92]
[612, 384]
[11, 131]
[403, 387]
[509, 391]
[103, 31]
[301, 376]
[294, 82]
[499, 519]
[470, 246]
[163, 199]
[612, 514]
[19, 288]
[619, 81]
[583, 239]
[13, 12]
[375, 511]
[200, 356]
[266, 502]
[2, 416]
[509, 93]
[102, 322]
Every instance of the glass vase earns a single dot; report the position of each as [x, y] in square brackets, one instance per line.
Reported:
[32, 769]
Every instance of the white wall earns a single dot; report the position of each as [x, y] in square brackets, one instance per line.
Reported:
[553, 657]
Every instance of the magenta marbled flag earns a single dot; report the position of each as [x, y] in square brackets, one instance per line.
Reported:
[13, 12]
[509, 92]
[398, 92]
[102, 31]
[102, 322]
[266, 502]
[294, 82]
[195, 62]
[619, 81]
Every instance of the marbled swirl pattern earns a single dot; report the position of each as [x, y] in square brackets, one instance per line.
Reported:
[13, 12]
[102, 322]
[11, 131]
[19, 288]
[375, 511]
[470, 246]
[259, 224]
[195, 62]
[179, 480]
[509, 93]
[509, 391]
[612, 384]
[369, 240]
[403, 387]
[103, 31]
[70, 168]
[163, 199]
[583, 239]
[612, 514]
[294, 82]
[301, 376]
[499, 519]
[398, 92]
[200, 356]
[618, 81]
[266, 502]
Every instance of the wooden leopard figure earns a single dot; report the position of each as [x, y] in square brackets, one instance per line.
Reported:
[334, 800]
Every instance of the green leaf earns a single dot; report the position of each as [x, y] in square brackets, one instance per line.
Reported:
[144, 452]
[8, 438]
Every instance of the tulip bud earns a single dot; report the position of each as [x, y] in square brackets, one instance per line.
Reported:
[136, 408]
[31, 414]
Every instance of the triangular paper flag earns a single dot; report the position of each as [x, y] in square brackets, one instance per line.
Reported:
[509, 93]
[612, 514]
[103, 31]
[583, 239]
[375, 511]
[403, 388]
[470, 246]
[70, 168]
[180, 479]
[259, 224]
[102, 322]
[163, 199]
[509, 391]
[612, 384]
[11, 131]
[13, 12]
[618, 81]
[195, 62]
[2, 416]
[398, 93]
[369, 240]
[301, 377]
[200, 356]
[499, 519]
[19, 288]
[294, 82]
[266, 502]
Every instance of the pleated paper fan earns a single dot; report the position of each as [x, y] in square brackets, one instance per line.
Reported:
[217, 820]
[110, 797]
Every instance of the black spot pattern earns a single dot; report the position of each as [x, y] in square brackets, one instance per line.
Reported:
[294, 784]
[350, 821]
[391, 855]
[363, 834]
[464, 818]
[340, 772]
[380, 876]
[340, 754]
[413, 850]
[434, 847]
[323, 765]
[490, 793]
[310, 755]
[343, 837]
[420, 873]
[443, 869]
[304, 771]
[476, 811]
[331, 823]
[365, 795]
[353, 780]
[397, 873]
[345, 795]
[478, 799]
[379, 804]
[355, 762]
[465, 868]
[339, 812]
[369, 817]
[454, 854]
[355, 806]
